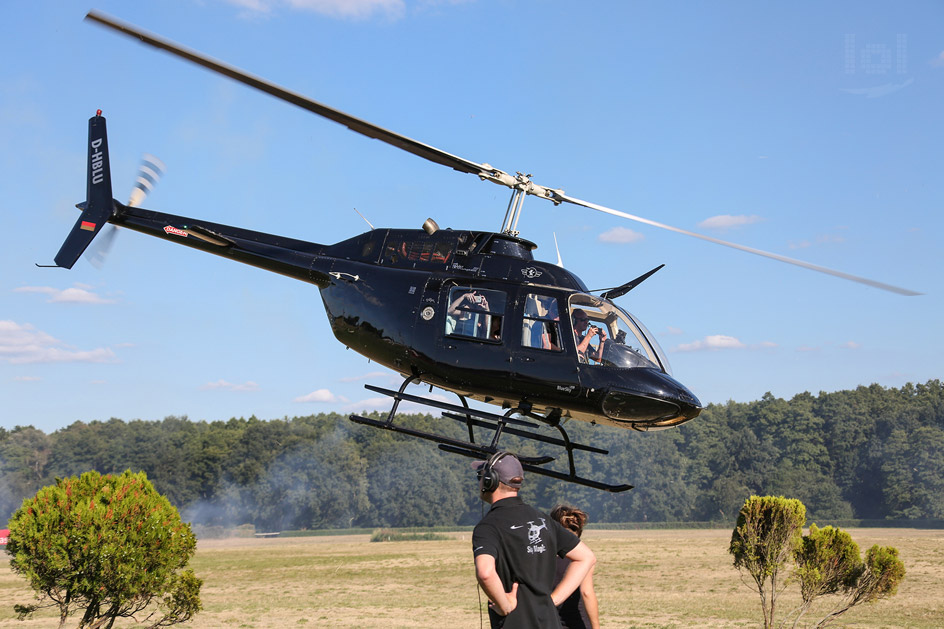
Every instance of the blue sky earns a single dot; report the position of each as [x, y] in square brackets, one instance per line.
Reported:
[809, 130]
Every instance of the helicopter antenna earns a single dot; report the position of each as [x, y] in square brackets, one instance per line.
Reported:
[619, 291]
[521, 185]
[560, 262]
[365, 219]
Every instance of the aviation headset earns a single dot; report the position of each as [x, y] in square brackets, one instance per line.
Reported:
[488, 477]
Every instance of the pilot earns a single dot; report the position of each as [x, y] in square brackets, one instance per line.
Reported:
[516, 549]
[584, 333]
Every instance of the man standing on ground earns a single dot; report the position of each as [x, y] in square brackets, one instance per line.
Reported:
[516, 549]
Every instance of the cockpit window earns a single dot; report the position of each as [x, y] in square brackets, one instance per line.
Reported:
[475, 313]
[540, 327]
[606, 335]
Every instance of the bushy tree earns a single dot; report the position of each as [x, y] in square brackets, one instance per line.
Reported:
[879, 579]
[109, 545]
[827, 562]
[769, 533]
[769, 530]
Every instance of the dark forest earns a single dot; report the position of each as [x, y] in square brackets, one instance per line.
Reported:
[871, 453]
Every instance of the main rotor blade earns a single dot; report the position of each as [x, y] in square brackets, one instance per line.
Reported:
[355, 124]
[759, 252]
[484, 171]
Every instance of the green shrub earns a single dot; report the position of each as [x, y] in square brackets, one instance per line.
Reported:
[110, 545]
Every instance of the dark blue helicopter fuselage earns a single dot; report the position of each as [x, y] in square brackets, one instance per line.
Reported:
[391, 295]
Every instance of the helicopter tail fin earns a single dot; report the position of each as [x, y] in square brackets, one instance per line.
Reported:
[99, 204]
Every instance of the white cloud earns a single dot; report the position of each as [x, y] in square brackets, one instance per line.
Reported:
[620, 235]
[27, 379]
[728, 221]
[825, 239]
[850, 345]
[879, 90]
[711, 343]
[367, 405]
[22, 343]
[938, 61]
[373, 375]
[229, 386]
[320, 396]
[253, 6]
[78, 294]
[345, 9]
[384, 403]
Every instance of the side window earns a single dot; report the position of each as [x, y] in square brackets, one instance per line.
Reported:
[475, 313]
[400, 250]
[541, 323]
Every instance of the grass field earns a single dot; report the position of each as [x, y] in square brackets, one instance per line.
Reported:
[674, 578]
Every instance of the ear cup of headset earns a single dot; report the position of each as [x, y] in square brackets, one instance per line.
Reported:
[490, 479]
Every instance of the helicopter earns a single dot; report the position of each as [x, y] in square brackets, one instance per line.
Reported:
[476, 314]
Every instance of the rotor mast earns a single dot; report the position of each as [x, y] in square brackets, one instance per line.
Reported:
[521, 186]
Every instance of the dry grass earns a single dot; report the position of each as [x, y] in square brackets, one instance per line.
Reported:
[644, 579]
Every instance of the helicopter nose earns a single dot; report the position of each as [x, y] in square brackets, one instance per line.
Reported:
[652, 401]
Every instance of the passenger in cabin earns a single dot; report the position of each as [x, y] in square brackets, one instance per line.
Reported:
[583, 334]
[494, 328]
[463, 315]
[540, 327]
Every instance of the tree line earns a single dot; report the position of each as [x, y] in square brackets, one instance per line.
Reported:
[868, 453]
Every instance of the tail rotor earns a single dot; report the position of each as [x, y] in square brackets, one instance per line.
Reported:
[150, 172]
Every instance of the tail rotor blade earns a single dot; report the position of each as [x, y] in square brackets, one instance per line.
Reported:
[149, 173]
[98, 252]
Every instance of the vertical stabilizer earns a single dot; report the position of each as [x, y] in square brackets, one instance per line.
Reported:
[99, 204]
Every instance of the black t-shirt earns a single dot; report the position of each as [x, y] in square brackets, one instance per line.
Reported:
[525, 544]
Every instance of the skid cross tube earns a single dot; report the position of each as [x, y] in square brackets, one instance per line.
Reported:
[541, 471]
[564, 443]
[499, 424]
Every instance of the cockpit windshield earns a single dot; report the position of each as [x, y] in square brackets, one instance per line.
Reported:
[607, 335]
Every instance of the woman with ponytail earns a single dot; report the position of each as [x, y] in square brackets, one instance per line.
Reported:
[580, 610]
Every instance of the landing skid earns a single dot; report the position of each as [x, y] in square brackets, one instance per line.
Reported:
[499, 424]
